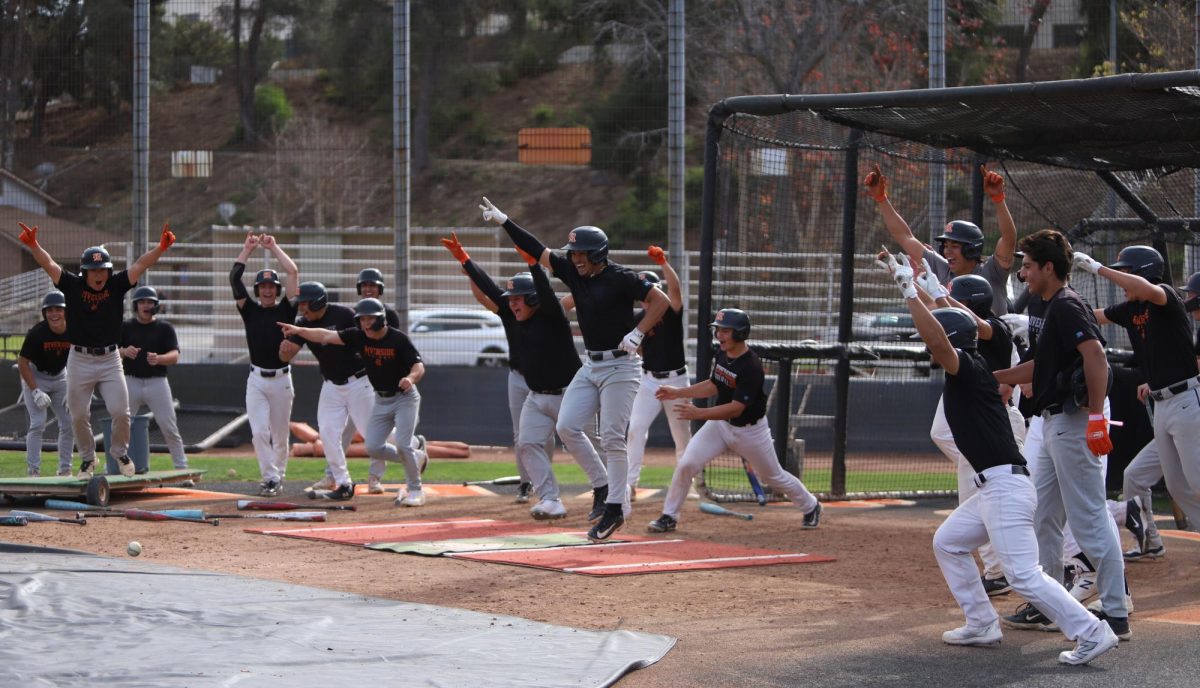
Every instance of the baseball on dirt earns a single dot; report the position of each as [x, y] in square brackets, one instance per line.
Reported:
[134, 548]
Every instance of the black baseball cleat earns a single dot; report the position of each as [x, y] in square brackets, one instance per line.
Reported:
[662, 524]
[1118, 624]
[813, 518]
[1028, 618]
[269, 488]
[340, 493]
[1136, 524]
[1149, 554]
[86, 469]
[610, 522]
[523, 492]
[996, 586]
[599, 494]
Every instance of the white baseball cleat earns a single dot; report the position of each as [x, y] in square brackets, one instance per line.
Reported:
[86, 469]
[985, 636]
[548, 510]
[325, 483]
[374, 485]
[1090, 648]
[411, 498]
[1083, 588]
[125, 464]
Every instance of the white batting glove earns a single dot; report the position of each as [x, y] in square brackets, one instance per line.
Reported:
[1018, 323]
[491, 213]
[929, 282]
[40, 399]
[901, 272]
[632, 341]
[1085, 262]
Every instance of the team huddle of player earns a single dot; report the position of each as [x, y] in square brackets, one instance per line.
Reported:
[1041, 488]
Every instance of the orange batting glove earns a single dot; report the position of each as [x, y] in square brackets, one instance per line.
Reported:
[168, 237]
[530, 260]
[876, 184]
[657, 255]
[28, 235]
[1098, 440]
[455, 248]
[993, 184]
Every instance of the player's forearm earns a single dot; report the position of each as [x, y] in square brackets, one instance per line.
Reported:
[485, 290]
[318, 335]
[1095, 371]
[726, 411]
[169, 358]
[1016, 375]
[523, 240]
[416, 373]
[1006, 246]
[26, 372]
[656, 304]
[144, 262]
[1138, 287]
[674, 288]
[235, 279]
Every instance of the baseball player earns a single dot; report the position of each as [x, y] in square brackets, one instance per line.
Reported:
[1161, 332]
[148, 346]
[95, 306]
[960, 245]
[41, 365]
[370, 286]
[663, 363]
[492, 298]
[394, 368]
[1003, 507]
[269, 391]
[604, 294]
[1067, 472]
[735, 422]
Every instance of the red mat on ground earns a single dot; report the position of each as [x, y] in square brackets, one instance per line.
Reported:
[653, 556]
[412, 531]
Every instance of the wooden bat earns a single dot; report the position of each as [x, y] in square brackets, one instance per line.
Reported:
[717, 510]
[754, 484]
[13, 521]
[79, 520]
[317, 516]
[258, 505]
[506, 480]
[140, 515]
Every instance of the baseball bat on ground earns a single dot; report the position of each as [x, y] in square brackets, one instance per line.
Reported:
[256, 505]
[109, 512]
[506, 480]
[140, 515]
[754, 484]
[79, 520]
[316, 516]
[13, 521]
[717, 510]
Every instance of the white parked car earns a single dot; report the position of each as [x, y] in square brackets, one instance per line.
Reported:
[458, 336]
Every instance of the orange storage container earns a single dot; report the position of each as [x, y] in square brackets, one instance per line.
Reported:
[554, 146]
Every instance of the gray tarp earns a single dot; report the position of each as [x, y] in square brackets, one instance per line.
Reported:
[72, 619]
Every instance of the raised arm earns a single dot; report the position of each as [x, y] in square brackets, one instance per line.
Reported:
[1138, 287]
[143, 263]
[291, 280]
[40, 256]
[523, 239]
[899, 230]
[674, 289]
[483, 288]
[239, 267]
[316, 335]
[993, 186]
[927, 326]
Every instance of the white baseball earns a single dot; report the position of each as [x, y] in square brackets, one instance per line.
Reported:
[134, 548]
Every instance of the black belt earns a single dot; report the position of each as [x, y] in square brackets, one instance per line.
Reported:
[1016, 470]
[269, 373]
[551, 392]
[389, 393]
[607, 355]
[1177, 388]
[341, 381]
[742, 425]
[95, 350]
[662, 374]
[1052, 410]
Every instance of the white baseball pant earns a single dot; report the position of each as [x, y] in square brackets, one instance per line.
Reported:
[155, 393]
[400, 413]
[607, 387]
[1002, 512]
[751, 442]
[337, 406]
[56, 387]
[645, 409]
[269, 407]
[87, 373]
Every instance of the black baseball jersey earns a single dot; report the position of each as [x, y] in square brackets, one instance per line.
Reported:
[741, 379]
[391, 317]
[494, 294]
[337, 363]
[546, 338]
[997, 351]
[263, 334]
[94, 317]
[976, 415]
[1161, 337]
[1068, 322]
[662, 348]
[46, 350]
[387, 360]
[603, 302]
[155, 336]
[1037, 317]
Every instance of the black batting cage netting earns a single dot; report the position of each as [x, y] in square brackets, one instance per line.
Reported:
[789, 234]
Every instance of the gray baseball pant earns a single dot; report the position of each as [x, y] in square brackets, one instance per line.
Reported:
[608, 387]
[1138, 481]
[517, 393]
[155, 393]
[1070, 489]
[1177, 437]
[538, 415]
[401, 413]
[87, 373]
[56, 387]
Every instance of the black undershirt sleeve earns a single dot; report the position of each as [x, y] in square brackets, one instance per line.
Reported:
[235, 281]
[524, 240]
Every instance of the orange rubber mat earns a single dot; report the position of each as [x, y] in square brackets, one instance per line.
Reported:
[1180, 534]
[413, 531]
[650, 556]
[1188, 616]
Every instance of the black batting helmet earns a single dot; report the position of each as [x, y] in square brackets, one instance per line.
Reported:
[145, 294]
[960, 327]
[974, 292]
[966, 233]
[367, 308]
[651, 277]
[522, 284]
[314, 294]
[1193, 284]
[734, 319]
[369, 276]
[593, 240]
[95, 258]
[53, 299]
[1143, 261]
[267, 276]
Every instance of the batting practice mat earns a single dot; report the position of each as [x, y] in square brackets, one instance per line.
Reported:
[180, 627]
[555, 549]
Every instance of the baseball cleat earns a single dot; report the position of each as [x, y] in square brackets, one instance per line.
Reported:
[1097, 608]
[64, 473]
[996, 586]
[422, 454]
[125, 465]
[1149, 554]
[523, 492]
[34, 473]
[987, 636]
[1136, 524]
[374, 485]
[599, 495]
[663, 524]
[269, 488]
[325, 483]
[1090, 648]
[1118, 624]
[341, 493]
[548, 510]
[1083, 588]
[633, 493]
[411, 498]
[610, 522]
[1028, 618]
[86, 469]
[813, 518]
